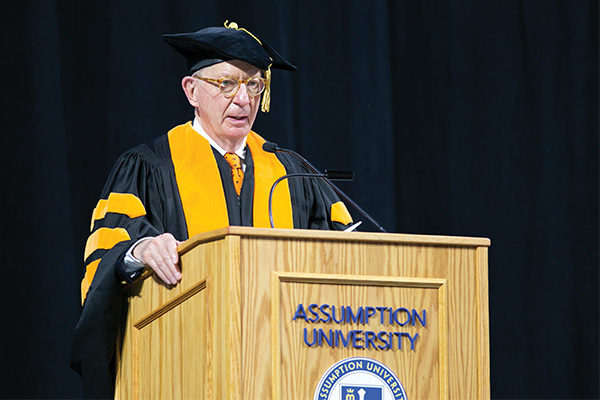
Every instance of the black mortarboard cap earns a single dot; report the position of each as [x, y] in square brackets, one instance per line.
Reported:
[217, 44]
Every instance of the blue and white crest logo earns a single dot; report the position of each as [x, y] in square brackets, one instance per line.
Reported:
[359, 378]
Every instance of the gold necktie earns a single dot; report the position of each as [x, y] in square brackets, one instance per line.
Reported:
[237, 173]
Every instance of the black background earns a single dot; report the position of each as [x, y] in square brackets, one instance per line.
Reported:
[469, 118]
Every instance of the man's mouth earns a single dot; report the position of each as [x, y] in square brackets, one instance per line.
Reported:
[237, 118]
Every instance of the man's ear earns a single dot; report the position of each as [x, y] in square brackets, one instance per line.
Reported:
[189, 86]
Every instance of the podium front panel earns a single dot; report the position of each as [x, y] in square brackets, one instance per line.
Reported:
[324, 318]
[446, 281]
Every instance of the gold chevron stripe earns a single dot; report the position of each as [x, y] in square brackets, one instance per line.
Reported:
[339, 213]
[121, 203]
[104, 238]
[86, 282]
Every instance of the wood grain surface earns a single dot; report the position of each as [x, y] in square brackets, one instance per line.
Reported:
[227, 330]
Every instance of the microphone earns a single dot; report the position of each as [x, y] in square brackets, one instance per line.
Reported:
[273, 148]
[339, 175]
[270, 147]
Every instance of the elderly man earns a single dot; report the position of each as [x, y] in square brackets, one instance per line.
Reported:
[200, 176]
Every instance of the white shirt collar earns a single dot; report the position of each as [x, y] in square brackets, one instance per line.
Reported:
[241, 151]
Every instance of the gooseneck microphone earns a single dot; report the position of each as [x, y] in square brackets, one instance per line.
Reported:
[335, 175]
[346, 175]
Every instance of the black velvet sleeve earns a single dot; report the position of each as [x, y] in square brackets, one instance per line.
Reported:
[143, 174]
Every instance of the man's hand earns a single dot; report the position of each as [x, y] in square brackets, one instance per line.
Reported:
[160, 254]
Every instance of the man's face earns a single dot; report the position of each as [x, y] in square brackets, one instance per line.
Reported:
[226, 120]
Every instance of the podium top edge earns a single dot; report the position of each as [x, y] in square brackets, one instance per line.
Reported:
[399, 238]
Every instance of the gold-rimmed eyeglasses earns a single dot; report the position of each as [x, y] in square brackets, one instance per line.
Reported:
[230, 86]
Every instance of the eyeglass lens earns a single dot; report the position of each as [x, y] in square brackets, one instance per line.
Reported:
[230, 86]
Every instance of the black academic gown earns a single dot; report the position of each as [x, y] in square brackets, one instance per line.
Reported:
[147, 172]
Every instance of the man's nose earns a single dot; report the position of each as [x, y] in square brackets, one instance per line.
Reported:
[242, 97]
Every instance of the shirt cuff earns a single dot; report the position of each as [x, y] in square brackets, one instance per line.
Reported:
[131, 267]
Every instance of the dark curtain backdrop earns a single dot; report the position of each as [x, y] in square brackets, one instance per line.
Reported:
[459, 117]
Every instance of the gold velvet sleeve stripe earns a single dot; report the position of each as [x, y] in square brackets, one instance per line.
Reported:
[198, 180]
[121, 203]
[104, 238]
[339, 213]
[267, 169]
[90, 271]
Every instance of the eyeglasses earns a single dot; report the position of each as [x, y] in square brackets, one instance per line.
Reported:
[230, 86]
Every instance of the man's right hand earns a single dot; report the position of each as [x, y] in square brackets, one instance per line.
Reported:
[160, 254]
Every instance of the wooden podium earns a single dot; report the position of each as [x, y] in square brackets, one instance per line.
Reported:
[234, 327]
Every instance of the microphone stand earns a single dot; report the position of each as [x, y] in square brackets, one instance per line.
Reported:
[279, 180]
[272, 148]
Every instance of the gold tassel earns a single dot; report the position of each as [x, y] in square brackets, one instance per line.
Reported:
[265, 106]
[233, 25]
